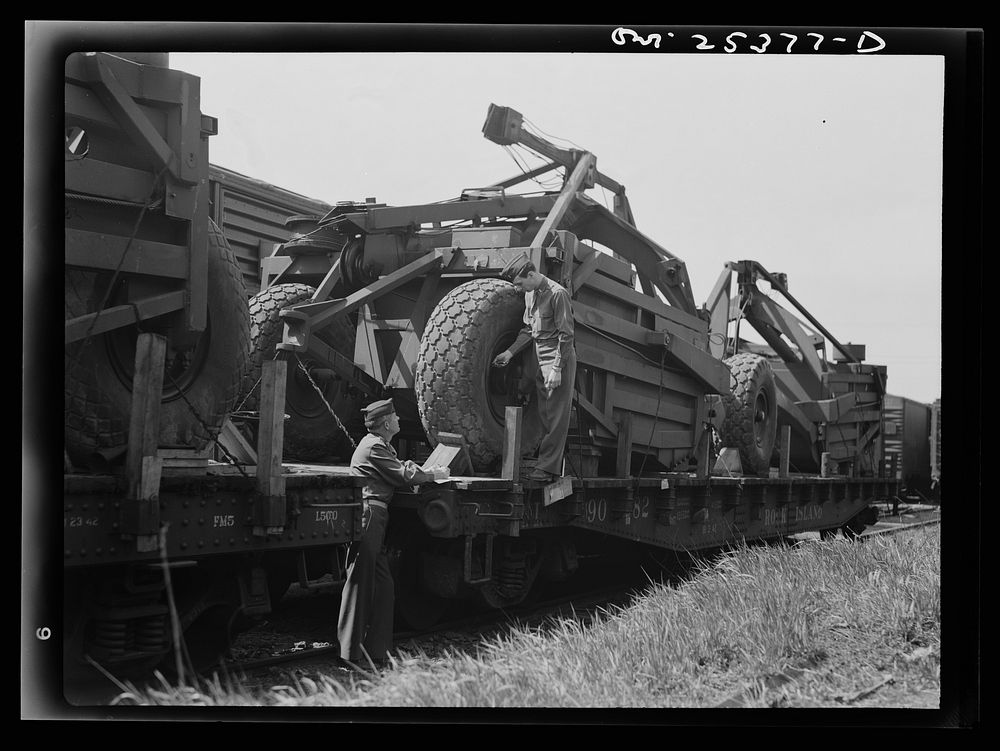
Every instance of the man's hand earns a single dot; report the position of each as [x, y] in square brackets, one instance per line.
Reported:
[552, 380]
[501, 360]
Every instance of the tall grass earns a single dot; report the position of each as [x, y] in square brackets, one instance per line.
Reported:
[749, 613]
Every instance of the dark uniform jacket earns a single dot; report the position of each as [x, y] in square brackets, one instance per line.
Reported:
[375, 459]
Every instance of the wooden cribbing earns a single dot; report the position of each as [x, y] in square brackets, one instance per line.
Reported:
[270, 511]
[140, 515]
[144, 421]
[624, 460]
[453, 452]
[786, 450]
[511, 463]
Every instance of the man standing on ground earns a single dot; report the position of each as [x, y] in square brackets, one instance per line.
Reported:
[548, 320]
[366, 604]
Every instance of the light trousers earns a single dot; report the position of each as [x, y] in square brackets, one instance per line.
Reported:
[555, 409]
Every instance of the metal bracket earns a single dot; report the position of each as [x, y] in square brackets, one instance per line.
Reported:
[487, 561]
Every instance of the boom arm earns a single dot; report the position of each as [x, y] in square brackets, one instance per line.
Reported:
[657, 268]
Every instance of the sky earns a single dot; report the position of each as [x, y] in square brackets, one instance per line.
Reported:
[827, 168]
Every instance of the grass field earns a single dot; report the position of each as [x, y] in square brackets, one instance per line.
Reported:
[817, 624]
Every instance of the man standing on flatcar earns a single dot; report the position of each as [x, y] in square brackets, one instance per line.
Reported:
[366, 603]
[548, 321]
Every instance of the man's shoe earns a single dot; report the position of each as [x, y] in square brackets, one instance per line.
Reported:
[364, 666]
[351, 665]
[540, 475]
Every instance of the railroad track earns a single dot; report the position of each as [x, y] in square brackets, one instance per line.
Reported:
[448, 634]
[892, 528]
[577, 605]
[463, 632]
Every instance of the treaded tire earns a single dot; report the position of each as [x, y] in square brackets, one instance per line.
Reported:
[751, 422]
[98, 372]
[311, 433]
[457, 389]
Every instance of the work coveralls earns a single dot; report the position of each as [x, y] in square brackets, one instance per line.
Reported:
[366, 603]
[548, 321]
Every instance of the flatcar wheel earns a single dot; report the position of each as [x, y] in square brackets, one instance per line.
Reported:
[494, 597]
[415, 607]
[515, 567]
[207, 640]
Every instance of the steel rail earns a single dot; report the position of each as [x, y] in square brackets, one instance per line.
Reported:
[580, 602]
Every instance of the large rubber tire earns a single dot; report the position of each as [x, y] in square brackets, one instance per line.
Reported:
[311, 432]
[751, 422]
[457, 388]
[207, 372]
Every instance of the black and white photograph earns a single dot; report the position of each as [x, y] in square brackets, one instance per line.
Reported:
[519, 373]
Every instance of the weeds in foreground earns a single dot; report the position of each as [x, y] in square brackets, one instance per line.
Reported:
[747, 616]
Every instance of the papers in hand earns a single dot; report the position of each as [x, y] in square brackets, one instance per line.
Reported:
[441, 474]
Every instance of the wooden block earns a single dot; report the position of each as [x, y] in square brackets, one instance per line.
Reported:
[271, 430]
[185, 453]
[556, 491]
[786, 450]
[140, 514]
[704, 453]
[728, 463]
[201, 464]
[236, 444]
[511, 463]
[147, 543]
[452, 452]
[624, 460]
[149, 484]
[144, 420]
[185, 471]
[827, 466]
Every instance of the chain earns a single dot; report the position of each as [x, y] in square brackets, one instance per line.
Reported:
[716, 448]
[212, 433]
[254, 388]
[325, 402]
[716, 441]
[240, 405]
[148, 204]
[736, 333]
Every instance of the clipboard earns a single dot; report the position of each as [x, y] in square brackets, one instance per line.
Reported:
[453, 452]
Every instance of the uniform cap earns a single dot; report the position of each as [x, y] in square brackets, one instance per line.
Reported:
[377, 409]
[514, 268]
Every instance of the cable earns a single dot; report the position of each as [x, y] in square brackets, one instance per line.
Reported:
[322, 397]
[716, 336]
[557, 138]
[656, 419]
[604, 198]
[621, 344]
[213, 433]
[736, 333]
[522, 165]
[149, 203]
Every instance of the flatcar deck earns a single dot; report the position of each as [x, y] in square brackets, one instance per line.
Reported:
[216, 511]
